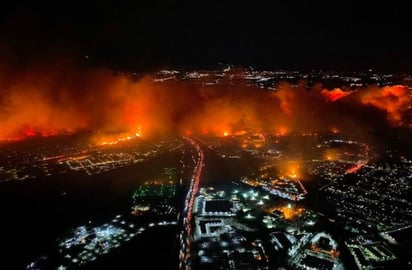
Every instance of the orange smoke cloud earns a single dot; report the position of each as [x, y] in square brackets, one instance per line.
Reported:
[335, 94]
[394, 100]
[28, 110]
[59, 99]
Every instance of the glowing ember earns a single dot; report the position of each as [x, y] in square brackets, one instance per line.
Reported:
[335, 130]
[355, 168]
[335, 94]
[112, 140]
[29, 132]
[282, 131]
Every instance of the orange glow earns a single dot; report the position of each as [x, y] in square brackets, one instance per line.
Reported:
[293, 174]
[240, 132]
[335, 94]
[281, 131]
[116, 138]
[43, 101]
[334, 253]
[394, 100]
[335, 130]
[291, 169]
[29, 132]
[331, 154]
[188, 132]
[289, 211]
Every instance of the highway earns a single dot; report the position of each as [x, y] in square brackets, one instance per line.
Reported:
[184, 254]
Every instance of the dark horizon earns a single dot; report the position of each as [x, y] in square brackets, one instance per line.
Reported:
[147, 36]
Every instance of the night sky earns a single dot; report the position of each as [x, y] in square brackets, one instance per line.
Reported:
[194, 34]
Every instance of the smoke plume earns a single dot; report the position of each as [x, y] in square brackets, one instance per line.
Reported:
[64, 98]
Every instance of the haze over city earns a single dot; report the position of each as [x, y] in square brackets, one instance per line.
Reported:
[205, 136]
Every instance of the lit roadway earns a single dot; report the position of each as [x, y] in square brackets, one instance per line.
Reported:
[184, 255]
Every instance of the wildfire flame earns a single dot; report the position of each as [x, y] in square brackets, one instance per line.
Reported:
[46, 102]
[335, 94]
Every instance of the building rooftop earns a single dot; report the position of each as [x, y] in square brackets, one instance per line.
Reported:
[218, 206]
[316, 262]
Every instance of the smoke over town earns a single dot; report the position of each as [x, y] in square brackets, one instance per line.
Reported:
[51, 99]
